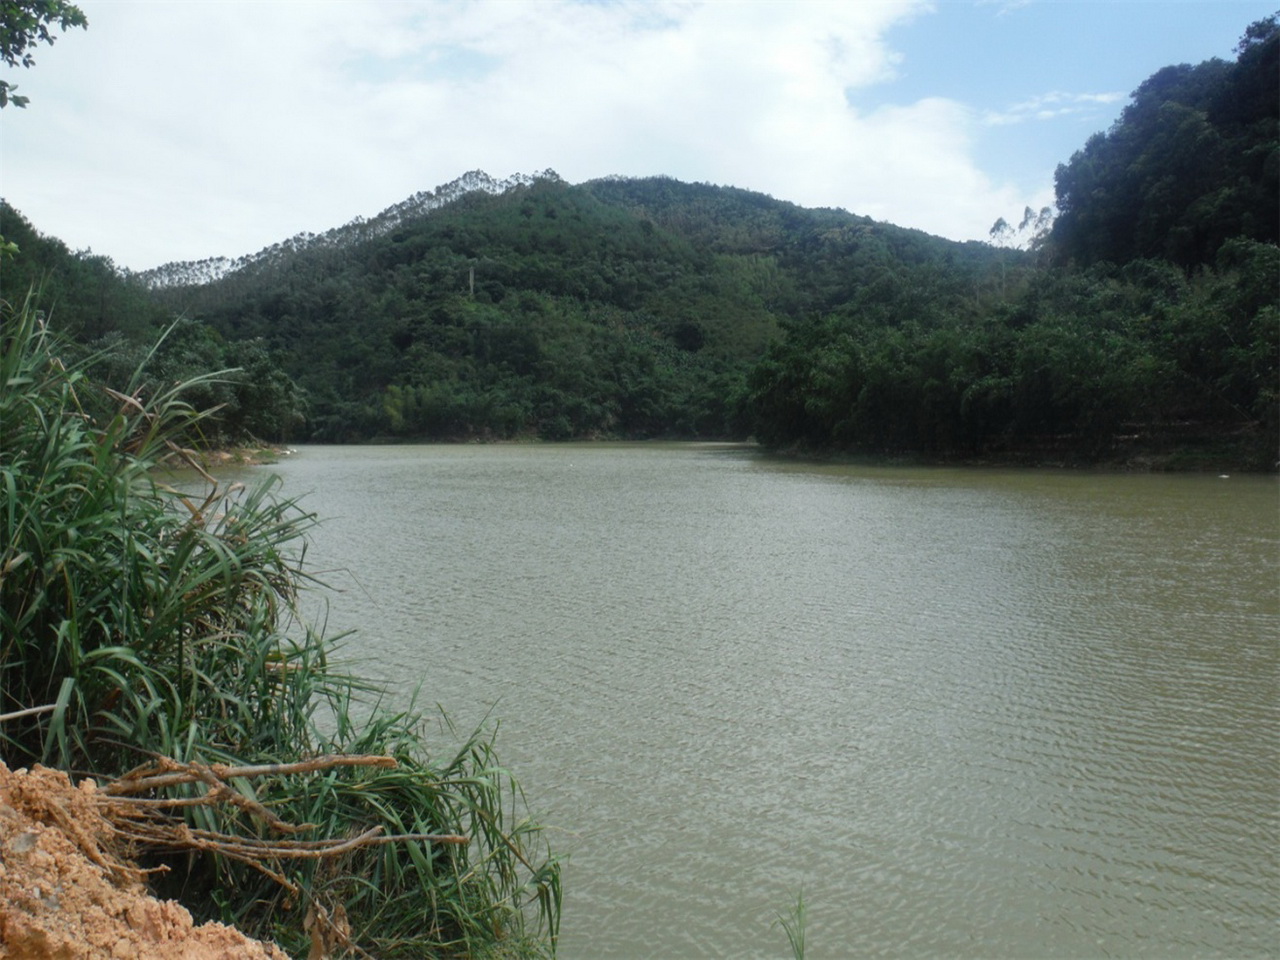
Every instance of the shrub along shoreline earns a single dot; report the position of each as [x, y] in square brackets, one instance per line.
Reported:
[141, 624]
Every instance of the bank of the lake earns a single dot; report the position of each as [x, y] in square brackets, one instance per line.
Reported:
[150, 641]
[1185, 448]
[969, 712]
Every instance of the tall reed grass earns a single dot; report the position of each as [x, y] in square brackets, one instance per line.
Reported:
[137, 621]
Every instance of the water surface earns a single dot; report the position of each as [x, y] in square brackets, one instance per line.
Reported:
[969, 713]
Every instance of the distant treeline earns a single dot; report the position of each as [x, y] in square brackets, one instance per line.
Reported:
[1145, 319]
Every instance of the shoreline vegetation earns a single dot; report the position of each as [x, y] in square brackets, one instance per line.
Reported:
[246, 455]
[1185, 448]
[1188, 448]
[152, 637]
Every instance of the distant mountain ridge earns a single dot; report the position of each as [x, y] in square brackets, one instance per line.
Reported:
[212, 269]
[620, 307]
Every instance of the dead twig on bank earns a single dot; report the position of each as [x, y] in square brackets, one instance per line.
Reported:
[145, 822]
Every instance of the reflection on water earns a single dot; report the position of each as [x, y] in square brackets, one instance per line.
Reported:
[969, 713]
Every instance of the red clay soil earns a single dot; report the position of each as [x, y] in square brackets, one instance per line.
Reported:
[65, 894]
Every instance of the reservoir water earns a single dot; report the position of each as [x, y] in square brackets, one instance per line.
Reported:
[968, 713]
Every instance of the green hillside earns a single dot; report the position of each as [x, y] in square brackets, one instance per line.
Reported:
[1144, 326]
[617, 308]
[1152, 338]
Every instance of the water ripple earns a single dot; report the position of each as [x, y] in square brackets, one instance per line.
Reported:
[971, 714]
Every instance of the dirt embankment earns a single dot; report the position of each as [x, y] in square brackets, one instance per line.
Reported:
[68, 893]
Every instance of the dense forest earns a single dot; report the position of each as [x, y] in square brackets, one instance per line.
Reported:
[1144, 322]
[1147, 320]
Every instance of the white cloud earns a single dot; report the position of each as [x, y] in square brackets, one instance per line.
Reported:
[1006, 6]
[184, 130]
[1051, 106]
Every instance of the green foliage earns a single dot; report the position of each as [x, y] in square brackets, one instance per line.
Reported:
[1193, 161]
[143, 621]
[1072, 361]
[24, 24]
[1157, 330]
[90, 296]
[112, 317]
[620, 308]
[793, 925]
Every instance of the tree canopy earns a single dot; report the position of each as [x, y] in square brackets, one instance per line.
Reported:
[1193, 161]
[535, 308]
[24, 25]
[1158, 328]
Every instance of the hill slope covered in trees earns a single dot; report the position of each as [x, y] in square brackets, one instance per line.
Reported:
[1156, 330]
[1146, 320]
[617, 308]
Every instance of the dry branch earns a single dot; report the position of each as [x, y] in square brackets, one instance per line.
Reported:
[189, 456]
[162, 834]
[166, 773]
[29, 712]
[143, 820]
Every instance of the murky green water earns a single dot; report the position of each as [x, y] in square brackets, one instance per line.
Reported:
[970, 713]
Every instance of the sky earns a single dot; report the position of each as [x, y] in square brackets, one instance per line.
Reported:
[188, 129]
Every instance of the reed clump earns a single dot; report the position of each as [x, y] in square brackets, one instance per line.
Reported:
[145, 630]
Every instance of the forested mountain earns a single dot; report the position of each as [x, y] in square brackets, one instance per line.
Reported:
[1157, 330]
[86, 292]
[617, 308]
[1147, 319]
[194, 272]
